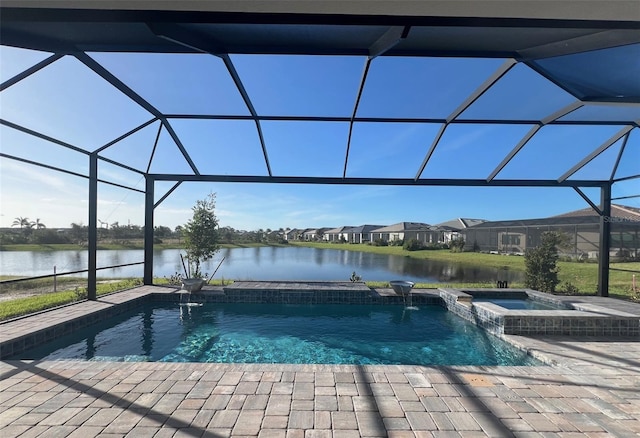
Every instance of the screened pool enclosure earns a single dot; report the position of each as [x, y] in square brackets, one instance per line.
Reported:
[395, 94]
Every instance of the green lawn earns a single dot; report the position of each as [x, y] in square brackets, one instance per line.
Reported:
[23, 306]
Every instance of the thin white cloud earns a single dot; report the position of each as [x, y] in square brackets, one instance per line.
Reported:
[21, 174]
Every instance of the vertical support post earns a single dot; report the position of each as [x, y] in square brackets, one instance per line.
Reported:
[148, 230]
[605, 240]
[93, 228]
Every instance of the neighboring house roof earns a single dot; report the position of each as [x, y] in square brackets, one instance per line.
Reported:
[338, 230]
[543, 222]
[460, 223]
[314, 230]
[577, 217]
[621, 211]
[444, 228]
[403, 226]
[363, 228]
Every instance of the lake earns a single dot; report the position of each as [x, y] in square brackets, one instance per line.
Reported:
[258, 263]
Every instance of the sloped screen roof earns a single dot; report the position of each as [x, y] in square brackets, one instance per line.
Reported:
[326, 98]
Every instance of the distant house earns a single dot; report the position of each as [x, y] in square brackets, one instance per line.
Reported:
[404, 231]
[453, 229]
[293, 234]
[582, 227]
[336, 234]
[313, 234]
[360, 234]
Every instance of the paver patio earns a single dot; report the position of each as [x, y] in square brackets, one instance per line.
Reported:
[592, 389]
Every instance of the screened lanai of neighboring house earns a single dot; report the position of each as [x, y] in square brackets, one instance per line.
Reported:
[415, 94]
[581, 228]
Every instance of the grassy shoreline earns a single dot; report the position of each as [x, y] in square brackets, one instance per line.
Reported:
[582, 275]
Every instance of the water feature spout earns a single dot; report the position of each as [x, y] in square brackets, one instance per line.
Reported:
[403, 288]
[190, 285]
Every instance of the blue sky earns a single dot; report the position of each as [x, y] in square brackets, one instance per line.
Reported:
[69, 102]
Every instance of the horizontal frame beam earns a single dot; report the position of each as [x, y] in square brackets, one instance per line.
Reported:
[44, 14]
[376, 181]
[347, 119]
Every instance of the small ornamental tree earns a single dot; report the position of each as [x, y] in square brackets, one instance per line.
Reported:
[541, 270]
[201, 237]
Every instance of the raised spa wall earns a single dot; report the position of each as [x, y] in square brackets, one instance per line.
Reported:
[572, 318]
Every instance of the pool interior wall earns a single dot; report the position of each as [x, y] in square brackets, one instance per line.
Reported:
[583, 319]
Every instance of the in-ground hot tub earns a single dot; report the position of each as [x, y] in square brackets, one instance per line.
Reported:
[518, 303]
[496, 310]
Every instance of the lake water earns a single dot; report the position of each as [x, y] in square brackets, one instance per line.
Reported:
[258, 263]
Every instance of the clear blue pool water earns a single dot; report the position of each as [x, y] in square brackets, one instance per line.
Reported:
[517, 304]
[271, 333]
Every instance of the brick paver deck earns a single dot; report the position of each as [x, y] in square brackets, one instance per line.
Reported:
[592, 389]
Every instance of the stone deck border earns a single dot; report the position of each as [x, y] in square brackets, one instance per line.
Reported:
[591, 389]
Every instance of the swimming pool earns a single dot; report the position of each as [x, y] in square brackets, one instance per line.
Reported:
[278, 333]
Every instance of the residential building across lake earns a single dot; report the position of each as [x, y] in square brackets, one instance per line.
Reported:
[581, 228]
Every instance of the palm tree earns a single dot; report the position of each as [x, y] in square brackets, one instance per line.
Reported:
[21, 222]
[37, 224]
